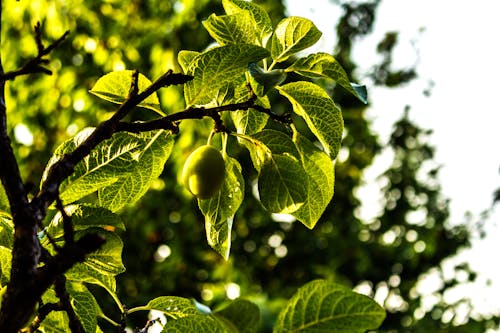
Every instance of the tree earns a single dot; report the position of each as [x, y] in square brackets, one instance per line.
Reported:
[64, 236]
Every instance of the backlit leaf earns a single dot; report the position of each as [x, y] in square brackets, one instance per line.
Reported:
[261, 20]
[121, 168]
[115, 87]
[173, 306]
[237, 28]
[325, 65]
[215, 68]
[293, 34]
[322, 116]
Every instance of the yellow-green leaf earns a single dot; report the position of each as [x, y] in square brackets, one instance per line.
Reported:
[322, 116]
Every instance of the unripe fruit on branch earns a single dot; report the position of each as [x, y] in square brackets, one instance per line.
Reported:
[203, 172]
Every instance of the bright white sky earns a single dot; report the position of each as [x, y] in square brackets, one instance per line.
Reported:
[458, 50]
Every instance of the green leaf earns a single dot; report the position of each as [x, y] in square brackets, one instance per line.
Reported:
[219, 210]
[83, 273]
[198, 324]
[243, 314]
[281, 184]
[115, 87]
[238, 28]
[185, 58]
[84, 304]
[261, 20]
[293, 34]
[322, 306]
[5, 264]
[262, 81]
[55, 322]
[6, 231]
[217, 67]
[173, 306]
[144, 166]
[251, 121]
[325, 65]
[282, 180]
[120, 169]
[84, 217]
[4, 200]
[322, 116]
[321, 179]
[107, 259]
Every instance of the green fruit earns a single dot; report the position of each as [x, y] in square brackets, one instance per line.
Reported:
[203, 172]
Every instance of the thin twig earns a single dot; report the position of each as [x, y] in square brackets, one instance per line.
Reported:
[35, 65]
[69, 232]
[74, 322]
[43, 311]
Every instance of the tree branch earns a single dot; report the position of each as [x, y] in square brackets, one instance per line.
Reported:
[35, 65]
[74, 323]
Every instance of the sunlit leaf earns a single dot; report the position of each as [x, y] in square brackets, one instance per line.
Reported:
[6, 231]
[319, 111]
[238, 28]
[4, 201]
[5, 264]
[185, 58]
[173, 306]
[108, 258]
[293, 34]
[216, 68]
[261, 20]
[84, 304]
[325, 65]
[84, 217]
[251, 121]
[115, 87]
[322, 306]
[121, 169]
[198, 324]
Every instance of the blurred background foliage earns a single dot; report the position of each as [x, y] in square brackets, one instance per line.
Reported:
[165, 251]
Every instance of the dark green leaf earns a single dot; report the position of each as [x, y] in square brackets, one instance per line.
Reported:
[244, 315]
[220, 209]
